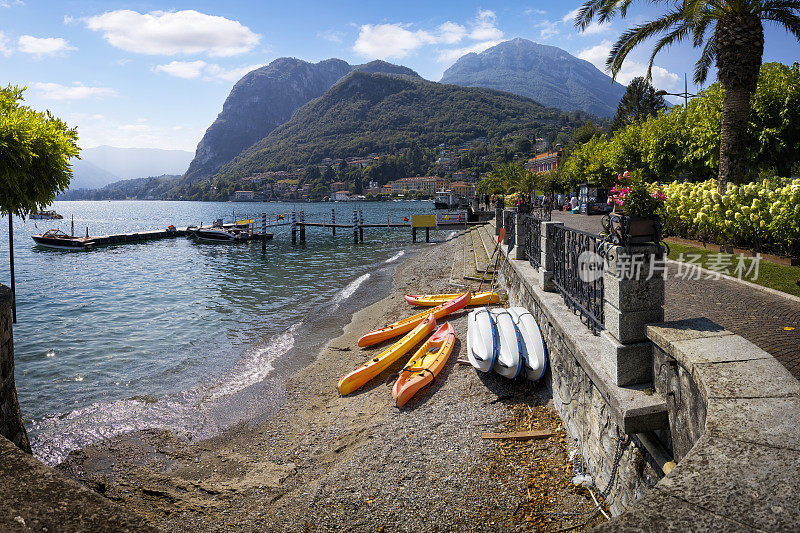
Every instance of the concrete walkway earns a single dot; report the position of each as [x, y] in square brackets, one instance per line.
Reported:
[758, 316]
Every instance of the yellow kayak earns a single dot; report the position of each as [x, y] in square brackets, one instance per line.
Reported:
[430, 300]
[401, 326]
[358, 377]
[424, 365]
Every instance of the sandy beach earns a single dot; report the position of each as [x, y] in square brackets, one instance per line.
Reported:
[358, 463]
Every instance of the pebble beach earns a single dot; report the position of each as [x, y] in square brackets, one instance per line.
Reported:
[358, 463]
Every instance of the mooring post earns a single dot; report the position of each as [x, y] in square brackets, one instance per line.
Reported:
[294, 228]
[413, 234]
[263, 232]
[302, 226]
[427, 234]
[361, 225]
[355, 226]
[333, 222]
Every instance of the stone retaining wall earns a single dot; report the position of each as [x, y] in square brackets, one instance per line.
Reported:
[596, 412]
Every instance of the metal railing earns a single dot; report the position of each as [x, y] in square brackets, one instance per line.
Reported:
[530, 231]
[542, 212]
[578, 273]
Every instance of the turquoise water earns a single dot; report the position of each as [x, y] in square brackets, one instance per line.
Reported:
[176, 334]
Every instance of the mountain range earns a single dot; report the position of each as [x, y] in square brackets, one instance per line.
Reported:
[266, 98]
[547, 74]
[102, 165]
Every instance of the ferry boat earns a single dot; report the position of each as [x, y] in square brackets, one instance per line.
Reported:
[55, 238]
[443, 200]
[46, 215]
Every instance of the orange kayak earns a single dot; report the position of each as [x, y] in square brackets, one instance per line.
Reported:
[400, 327]
[358, 377]
[425, 365]
[429, 300]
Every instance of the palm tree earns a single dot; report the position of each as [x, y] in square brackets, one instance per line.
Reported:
[728, 31]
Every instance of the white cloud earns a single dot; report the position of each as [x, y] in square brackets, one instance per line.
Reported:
[208, 71]
[451, 55]
[76, 91]
[484, 27]
[570, 17]
[383, 41]
[332, 36]
[44, 46]
[451, 33]
[595, 28]
[183, 69]
[547, 29]
[597, 55]
[5, 45]
[9, 3]
[533, 11]
[174, 32]
[137, 128]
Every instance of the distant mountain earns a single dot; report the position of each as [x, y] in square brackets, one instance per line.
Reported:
[266, 98]
[153, 187]
[86, 175]
[366, 113]
[102, 165]
[545, 73]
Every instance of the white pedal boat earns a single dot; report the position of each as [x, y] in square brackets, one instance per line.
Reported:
[482, 343]
[534, 352]
[509, 359]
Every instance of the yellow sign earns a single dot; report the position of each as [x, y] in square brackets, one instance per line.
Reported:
[243, 222]
[423, 221]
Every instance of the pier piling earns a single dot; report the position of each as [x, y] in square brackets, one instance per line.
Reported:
[355, 226]
[263, 232]
[333, 222]
[294, 227]
[302, 226]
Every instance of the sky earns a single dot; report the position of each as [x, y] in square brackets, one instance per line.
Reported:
[155, 75]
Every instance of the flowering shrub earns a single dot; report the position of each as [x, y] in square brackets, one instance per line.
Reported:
[764, 215]
[635, 198]
[511, 200]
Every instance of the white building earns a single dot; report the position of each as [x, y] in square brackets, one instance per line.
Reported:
[243, 196]
[340, 196]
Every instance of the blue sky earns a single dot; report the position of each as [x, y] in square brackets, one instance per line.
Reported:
[154, 74]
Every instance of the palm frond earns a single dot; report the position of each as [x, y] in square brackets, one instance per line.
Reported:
[635, 36]
[704, 63]
[784, 17]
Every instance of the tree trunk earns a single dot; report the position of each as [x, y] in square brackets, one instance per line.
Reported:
[11, 426]
[739, 46]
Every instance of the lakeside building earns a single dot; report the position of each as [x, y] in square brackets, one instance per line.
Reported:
[340, 196]
[463, 189]
[243, 196]
[424, 184]
[544, 162]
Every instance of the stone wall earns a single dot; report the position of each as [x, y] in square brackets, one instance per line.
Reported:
[598, 418]
[11, 426]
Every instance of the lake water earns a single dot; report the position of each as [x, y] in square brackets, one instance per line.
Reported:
[178, 335]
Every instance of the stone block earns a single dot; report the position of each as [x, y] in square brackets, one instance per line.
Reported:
[679, 330]
[753, 484]
[629, 327]
[620, 260]
[770, 421]
[719, 349]
[630, 364]
[758, 378]
[631, 294]
[546, 280]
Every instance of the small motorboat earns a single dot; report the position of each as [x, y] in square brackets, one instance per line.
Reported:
[45, 215]
[217, 234]
[55, 238]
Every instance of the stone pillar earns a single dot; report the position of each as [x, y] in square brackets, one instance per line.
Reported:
[521, 239]
[498, 220]
[507, 237]
[546, 262]
[11, 426]
[633, 285]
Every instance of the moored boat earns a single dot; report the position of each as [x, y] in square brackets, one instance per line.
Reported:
[430, 300]
[55, 238]
[45, 215]
[216, 234]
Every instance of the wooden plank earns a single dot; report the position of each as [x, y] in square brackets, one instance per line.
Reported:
[519, 435]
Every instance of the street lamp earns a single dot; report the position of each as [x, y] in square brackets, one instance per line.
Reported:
[685, 94]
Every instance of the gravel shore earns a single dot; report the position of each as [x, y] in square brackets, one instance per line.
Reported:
[357, 463]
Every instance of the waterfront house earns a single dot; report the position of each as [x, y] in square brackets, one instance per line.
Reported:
[424, 184]
[243, 196]
[544, 162]
[340, 196]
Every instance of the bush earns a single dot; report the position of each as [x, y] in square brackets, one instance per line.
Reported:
[762, 215]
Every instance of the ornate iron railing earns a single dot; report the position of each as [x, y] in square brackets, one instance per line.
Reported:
[530, 231]
[578, 273]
